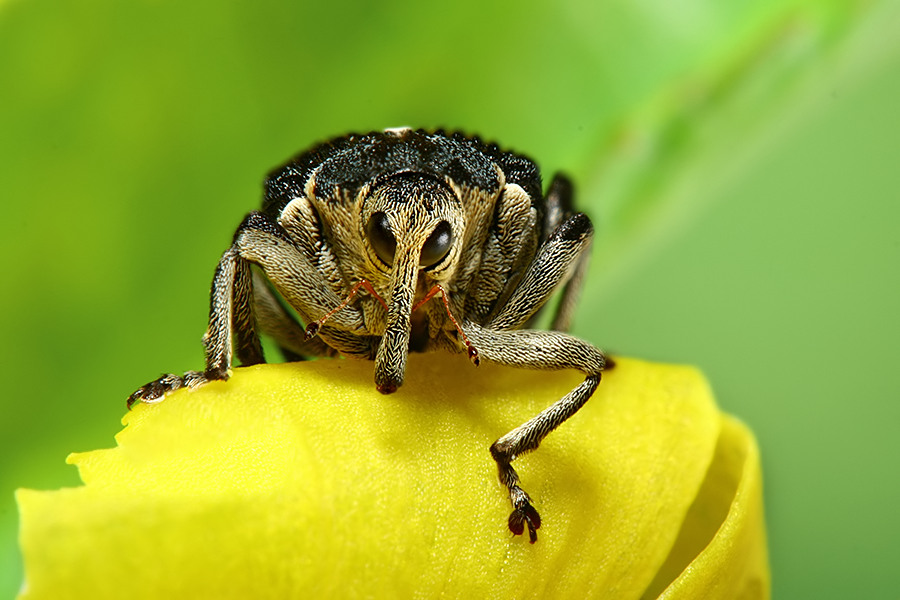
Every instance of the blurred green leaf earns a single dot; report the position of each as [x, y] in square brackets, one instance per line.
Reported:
[669, 157]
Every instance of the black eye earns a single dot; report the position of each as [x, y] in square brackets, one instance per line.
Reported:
[378, 230]
[437, 245]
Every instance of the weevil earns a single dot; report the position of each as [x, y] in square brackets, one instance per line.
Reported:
[360, 235]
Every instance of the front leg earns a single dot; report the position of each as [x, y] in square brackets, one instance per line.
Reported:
[230, 303]
[263, 242]
[532, 349]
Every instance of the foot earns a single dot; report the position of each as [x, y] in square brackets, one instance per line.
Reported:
[156, 390]
[523, 514]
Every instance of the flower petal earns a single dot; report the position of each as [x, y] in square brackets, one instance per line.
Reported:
[723, 542]
[301, 479]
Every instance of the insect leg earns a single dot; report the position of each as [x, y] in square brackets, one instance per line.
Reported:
[500, 342]
[289, 267]
[232, 278]
[555, 261]
[243, 321]
[558, 204]
[276, 321]
[508, 247]
[535, 350]
[260, 241]
[558, 207]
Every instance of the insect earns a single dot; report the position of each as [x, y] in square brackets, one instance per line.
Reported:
[360, 235]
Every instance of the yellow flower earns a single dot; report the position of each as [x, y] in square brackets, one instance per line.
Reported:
[300, 480]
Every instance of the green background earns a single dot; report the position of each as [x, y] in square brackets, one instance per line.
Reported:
[741, 162]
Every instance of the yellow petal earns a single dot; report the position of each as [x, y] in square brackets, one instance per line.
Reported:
[300, 480]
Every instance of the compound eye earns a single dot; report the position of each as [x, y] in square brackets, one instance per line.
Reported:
[437, 245]
[378, 230]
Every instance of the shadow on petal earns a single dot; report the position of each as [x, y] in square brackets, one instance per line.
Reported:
[721, 550]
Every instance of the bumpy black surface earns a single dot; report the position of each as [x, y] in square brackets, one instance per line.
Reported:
[349, 162]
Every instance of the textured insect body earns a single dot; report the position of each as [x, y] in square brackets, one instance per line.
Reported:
[402, 241]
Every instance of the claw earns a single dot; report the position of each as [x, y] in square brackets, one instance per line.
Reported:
[133, 398]
[148, 393]
[151, 393]
[311, 331]
[156, 390]
[517, 522]
[522, 516]
[473, 355]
